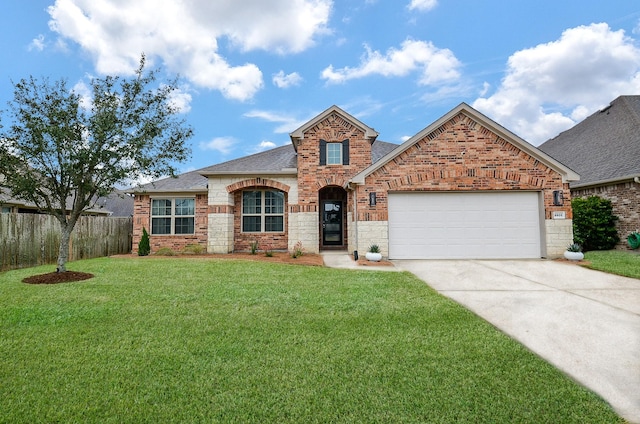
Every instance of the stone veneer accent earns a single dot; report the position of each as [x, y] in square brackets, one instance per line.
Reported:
[372, 232]
[625, 198]
[304, 228]
[220, 233]
[558, 235]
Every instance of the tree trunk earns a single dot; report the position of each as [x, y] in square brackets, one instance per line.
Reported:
[63, 251]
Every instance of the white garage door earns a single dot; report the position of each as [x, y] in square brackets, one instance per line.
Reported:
[475, 225]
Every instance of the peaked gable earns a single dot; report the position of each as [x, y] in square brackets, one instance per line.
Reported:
[476, 118]
[369, 133]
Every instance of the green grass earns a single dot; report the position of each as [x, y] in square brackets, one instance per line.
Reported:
[166, 340]
[614, 262]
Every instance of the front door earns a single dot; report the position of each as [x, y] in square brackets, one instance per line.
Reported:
[332, 223]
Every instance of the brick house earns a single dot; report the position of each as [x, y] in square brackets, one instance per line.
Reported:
[605, 150]
[464, 187]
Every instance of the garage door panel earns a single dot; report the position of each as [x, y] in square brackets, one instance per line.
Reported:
[464, 225]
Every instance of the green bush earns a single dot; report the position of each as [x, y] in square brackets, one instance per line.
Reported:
[193, 249]
[634, 240]
[165, 251]
[594, 224]
[144, 247]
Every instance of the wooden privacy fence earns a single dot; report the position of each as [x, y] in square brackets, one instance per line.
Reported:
[31, 239]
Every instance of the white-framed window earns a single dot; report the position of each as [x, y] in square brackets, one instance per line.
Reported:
[173, 216]
[334, 153]
[262, 211]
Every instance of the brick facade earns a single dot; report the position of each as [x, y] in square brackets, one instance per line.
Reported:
[142, 218]
[315, 178]
[311, 175]
[461, 155]
[625, 200]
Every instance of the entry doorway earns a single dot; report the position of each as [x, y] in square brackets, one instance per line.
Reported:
[333, 201]
[332, 223]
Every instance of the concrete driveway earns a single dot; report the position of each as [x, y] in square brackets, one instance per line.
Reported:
[586, 323]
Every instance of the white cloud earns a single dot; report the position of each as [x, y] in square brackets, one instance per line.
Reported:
[287, 123]
[281, 80]
[435, 65]
[549, 87]
[84, 91]
[223, 145]
[422, 5]
[37, 43]
[185, 35]
[181, 99]
[264, 145]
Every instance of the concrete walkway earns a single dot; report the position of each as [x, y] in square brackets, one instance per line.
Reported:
[341, 259]
[584, 322]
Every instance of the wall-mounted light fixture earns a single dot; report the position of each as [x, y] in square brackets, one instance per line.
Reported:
[372, 198]
[558, 199]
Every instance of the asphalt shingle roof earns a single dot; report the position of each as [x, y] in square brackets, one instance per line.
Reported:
[279, 160]
[605, 146]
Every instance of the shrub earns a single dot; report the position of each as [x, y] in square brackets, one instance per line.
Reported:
[374, 248]
[165, 251]
[254, 247]
[193, 249]
[594, 223]
[298, 250]
[144, 247]
[268, 250]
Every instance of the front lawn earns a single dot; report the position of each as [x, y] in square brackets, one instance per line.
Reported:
[199, 340]
[614, 262]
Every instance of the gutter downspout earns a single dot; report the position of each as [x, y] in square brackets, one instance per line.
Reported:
[353, 187]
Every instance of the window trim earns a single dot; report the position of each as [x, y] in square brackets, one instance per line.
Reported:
[324, 152]
[337, 149]
[262, 214]
[173, 216]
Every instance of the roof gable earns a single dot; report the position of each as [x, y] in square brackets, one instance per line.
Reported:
[604, 147]
[369, 133]
[435, 128]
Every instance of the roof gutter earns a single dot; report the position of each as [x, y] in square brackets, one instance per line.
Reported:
[633, 177]
[285, 171]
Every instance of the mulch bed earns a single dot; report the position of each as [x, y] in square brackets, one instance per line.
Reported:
[309, 259]
[57, 277]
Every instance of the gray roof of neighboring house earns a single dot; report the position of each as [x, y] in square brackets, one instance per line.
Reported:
[281, 160]
[116, 204]
[605, 147]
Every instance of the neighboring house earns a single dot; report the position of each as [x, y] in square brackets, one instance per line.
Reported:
[605, 150]
[464, 187]
[117, 204]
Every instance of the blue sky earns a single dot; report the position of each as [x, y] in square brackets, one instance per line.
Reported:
[254, 70]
